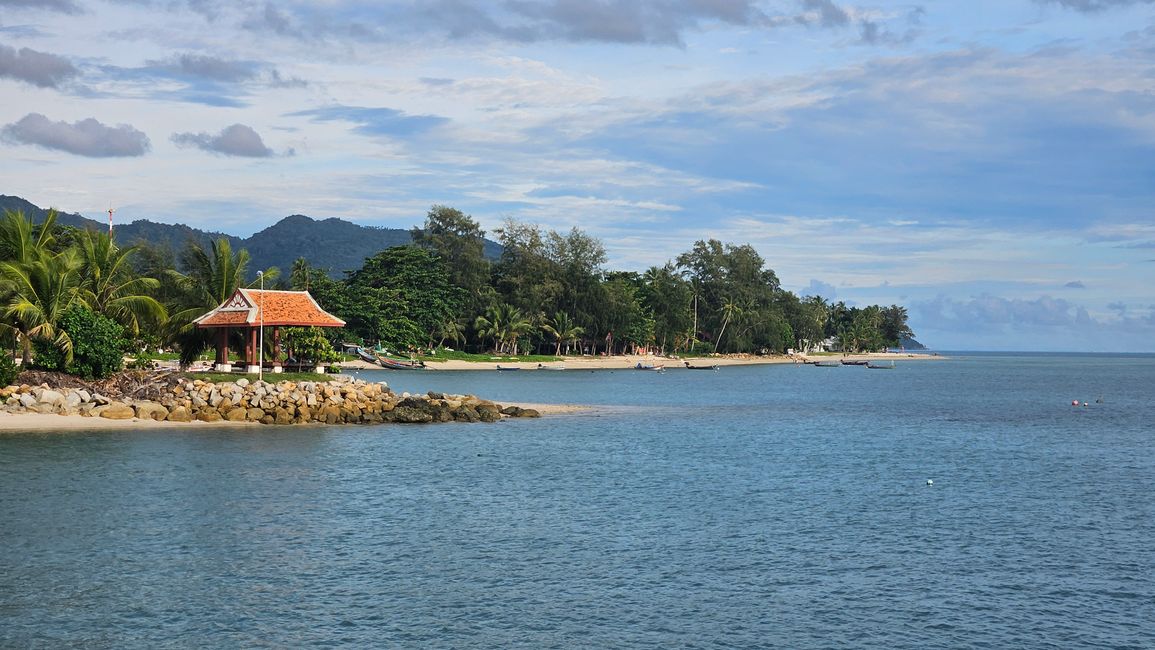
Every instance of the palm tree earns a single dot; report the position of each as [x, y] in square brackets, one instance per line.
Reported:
[21, 246]
[729, 310]
[504, 323]
[563, 330]
[40, 291]
[451, 330]
[211, 276]
[109, 287]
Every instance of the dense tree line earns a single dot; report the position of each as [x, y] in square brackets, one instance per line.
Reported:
[548, 292]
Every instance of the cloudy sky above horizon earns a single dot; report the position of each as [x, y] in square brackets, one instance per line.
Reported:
[988, 164]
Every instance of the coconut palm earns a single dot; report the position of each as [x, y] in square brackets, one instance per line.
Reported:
[109, 287]
[504, 323]
[210, 277]
[39, 292]
[563, 330]
[21, 245]
[730, 309]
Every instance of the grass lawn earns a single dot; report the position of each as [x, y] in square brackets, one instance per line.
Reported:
[272, 378]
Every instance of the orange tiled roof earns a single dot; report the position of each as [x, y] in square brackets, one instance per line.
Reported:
[243, 308]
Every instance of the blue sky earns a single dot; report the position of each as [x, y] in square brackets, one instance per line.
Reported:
[988, 164]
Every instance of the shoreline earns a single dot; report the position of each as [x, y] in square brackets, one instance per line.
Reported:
[626, 362]
[16, 423]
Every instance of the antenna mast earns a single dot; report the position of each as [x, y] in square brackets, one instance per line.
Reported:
[110, 220]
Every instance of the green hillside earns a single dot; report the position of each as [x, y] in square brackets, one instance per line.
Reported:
[333, 244]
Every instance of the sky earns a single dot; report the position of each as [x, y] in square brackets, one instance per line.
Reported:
[989, 164]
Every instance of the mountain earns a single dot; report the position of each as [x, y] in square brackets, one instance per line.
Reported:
[333, 244]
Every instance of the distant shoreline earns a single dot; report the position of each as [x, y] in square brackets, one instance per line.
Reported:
[627, 361]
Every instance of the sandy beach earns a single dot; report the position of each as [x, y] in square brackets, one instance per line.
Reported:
[49, 423]
[623, 362]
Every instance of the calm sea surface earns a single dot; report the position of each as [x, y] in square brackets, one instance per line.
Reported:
[757, 507]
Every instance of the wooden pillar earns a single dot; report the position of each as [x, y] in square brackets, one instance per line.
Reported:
[222, 345]
[251, 349]
[222, 363]
[277, 348]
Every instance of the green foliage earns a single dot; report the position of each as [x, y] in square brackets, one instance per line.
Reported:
[8, 369]
[98, 345]
[401, 297]
[548, 292]
[309, 344]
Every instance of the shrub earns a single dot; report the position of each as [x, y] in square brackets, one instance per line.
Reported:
[97, 345]
[8, 369]
[309, 344]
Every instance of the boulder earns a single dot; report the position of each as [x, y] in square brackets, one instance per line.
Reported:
[180, 414]
[237, 414]
[151, 410]
[282, 416]
[206, 414]
[117, 411]
[50, 397]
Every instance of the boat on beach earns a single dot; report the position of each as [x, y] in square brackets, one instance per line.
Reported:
[881, 365]
[649, 366]
[854, 362]
[365, 355]
[826, 364]
[691, 367]
[400, 364]
[507, 368]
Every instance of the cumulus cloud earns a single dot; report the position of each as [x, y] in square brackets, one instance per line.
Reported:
[37, 68]
[84, 138]
[235, 140]
[63, 6]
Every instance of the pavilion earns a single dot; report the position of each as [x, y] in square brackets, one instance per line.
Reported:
[250, 310]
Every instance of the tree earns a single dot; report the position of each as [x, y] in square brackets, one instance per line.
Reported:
[894, 327]
[109, 287]
[402, 296]
[563, 330]
[21, 245]
[503, 323]
[309, 343]
[669, 297]
[209, 278]
[459, 243]
[41, 291]
[97, 345]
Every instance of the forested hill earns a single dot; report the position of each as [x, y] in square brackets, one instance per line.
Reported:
[333, 244]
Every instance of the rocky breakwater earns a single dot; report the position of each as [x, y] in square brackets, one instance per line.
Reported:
[343, 401]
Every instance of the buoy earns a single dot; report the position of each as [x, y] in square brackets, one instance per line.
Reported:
[929, 482]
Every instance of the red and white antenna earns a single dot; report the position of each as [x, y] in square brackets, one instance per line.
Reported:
[110, 220]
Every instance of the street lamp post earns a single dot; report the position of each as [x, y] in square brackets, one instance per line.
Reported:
[261, 342]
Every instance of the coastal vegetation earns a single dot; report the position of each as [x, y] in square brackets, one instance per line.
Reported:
[76, 300]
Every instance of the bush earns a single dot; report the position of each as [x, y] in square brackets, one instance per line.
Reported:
[8, 369]
[97, 345]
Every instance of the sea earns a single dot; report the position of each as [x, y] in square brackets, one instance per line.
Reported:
[976, 501]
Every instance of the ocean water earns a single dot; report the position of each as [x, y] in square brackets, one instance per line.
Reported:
[754, 507]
